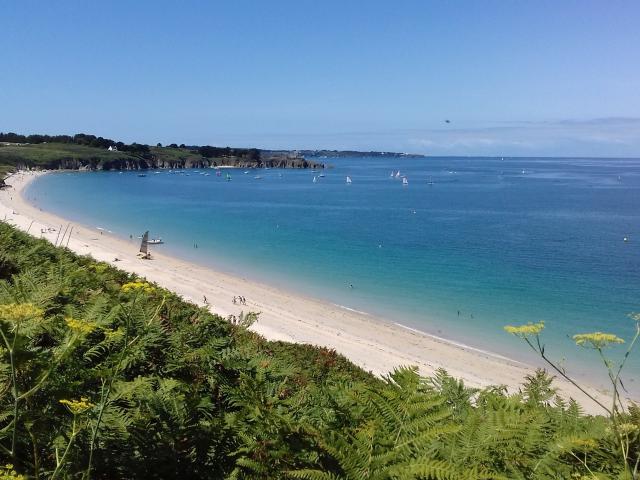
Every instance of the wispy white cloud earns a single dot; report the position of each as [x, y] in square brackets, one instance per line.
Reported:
[563, 137]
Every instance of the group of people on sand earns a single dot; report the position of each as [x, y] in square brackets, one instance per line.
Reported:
[239, 299]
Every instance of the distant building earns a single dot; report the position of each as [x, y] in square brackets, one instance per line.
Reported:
[113, 148]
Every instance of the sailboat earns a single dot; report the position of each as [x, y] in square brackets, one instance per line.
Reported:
[144, 246]
[398, 174]
[392, 174]
[405, 182]
[430, 182]
[315, 180]
[228, 177]
[348, 180]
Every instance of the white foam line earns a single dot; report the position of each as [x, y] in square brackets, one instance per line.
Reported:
[350, 309]
[460, 345]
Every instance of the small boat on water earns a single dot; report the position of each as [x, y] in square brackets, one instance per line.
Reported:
[155, 241]
[321, 175]
[405, 182]
[228, 178]
[430, 182]
[397, 175]
[258, 177]
[245, 172]
[348, 180]
[315, 180]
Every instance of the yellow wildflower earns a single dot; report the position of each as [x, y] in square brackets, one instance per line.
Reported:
[596, 340]
[585, 443]
[133, 286]
[627, 428]
[19, 312]
[525, 330]
[113, 334]
[77, 406]
[80, 326]
[7, 472]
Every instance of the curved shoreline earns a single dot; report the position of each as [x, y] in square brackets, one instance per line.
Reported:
[375, 344]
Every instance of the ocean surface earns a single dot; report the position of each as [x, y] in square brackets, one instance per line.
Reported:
[468, 246]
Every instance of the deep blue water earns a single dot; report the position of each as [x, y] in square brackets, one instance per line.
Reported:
[485, 239]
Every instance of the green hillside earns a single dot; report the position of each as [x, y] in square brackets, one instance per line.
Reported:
[88, 151]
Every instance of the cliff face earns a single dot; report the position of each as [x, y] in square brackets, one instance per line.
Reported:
[143, 164]
[127, 162]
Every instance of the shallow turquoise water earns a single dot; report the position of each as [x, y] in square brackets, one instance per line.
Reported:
[485, 239]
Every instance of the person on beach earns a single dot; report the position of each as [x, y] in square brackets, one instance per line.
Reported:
[204, 297]
[244, 301]
[234, 299]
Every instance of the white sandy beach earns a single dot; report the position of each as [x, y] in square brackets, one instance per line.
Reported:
[371, 343]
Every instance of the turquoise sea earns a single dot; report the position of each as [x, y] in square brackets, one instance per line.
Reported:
[471, 244]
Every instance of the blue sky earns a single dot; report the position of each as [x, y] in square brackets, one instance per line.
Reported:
[513, 78]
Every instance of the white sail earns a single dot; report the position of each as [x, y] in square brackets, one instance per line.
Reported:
[405, 182]
[397, 173]
[144, 246]
[315, 179]
[348, 179]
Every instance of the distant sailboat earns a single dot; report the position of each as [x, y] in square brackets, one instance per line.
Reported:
[228, 177]
[430, 182]
[392, 174]
[348, 180]
[405, 182]
[398, 174]
[315, 180]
